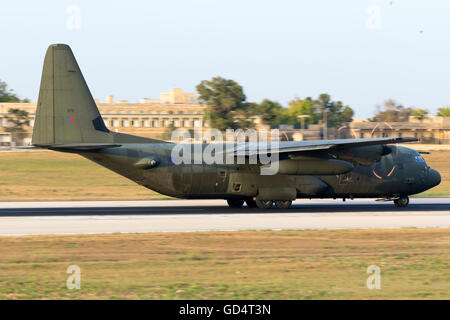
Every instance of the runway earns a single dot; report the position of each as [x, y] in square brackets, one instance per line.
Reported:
[87, 217]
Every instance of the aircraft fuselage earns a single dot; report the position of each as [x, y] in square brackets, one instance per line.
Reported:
[400, 173]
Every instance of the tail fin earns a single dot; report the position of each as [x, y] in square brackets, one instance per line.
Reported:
[66, 112]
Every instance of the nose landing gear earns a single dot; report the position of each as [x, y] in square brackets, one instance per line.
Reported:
[401, 202]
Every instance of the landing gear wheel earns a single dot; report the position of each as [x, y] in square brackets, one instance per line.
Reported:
[283, 204]
[264, 204]
[251, 203]
[401, 202]
[235, 203]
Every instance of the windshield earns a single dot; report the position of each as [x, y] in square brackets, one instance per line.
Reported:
[418, 157]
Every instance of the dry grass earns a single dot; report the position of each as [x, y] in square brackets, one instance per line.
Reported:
[230, 265]
[47, 175]
[41, 176]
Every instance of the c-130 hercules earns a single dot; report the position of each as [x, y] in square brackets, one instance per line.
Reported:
[68, 120]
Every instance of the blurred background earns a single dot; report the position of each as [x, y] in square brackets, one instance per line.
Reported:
[315, 70]
[318, 69]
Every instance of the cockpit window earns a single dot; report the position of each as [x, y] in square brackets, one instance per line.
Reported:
[418, 157]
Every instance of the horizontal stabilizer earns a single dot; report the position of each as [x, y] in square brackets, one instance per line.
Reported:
[83, 146]
[27, 147]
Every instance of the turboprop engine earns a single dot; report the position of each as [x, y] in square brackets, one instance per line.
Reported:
[365, 155]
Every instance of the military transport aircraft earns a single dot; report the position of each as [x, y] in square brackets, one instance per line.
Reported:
[68, 120]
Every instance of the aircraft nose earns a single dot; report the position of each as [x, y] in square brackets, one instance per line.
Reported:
[434, 177]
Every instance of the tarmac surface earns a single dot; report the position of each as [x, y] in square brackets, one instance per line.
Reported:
[88, 217]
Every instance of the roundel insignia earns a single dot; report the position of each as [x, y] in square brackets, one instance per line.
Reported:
[70, 118]
[171, 162]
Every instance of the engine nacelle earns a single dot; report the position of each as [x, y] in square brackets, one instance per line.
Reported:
[314, 166]
[365, 156]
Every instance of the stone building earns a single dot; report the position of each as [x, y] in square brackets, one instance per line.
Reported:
[176, 109]
[149, 117]
[432, 129]
[6, 140]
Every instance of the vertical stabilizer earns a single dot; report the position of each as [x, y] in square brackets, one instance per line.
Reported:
[66, 112]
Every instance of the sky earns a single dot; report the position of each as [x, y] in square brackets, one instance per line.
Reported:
[361, 52]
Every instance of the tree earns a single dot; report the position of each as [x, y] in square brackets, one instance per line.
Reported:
[420, 114]
[18, 119]
[347, 114]
[336, 113]
[444, 111]
[392, 112]
[8, 95]
[269, 110]
[299, 107]
[225, 102]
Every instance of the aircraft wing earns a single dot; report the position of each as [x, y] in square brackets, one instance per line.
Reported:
[249, 149]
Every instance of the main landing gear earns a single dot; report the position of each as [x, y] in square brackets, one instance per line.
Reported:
[283, 204]
[261, 204]
[401, 202]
